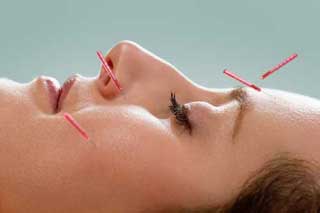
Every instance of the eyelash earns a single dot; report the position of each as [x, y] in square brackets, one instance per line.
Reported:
[180, 112]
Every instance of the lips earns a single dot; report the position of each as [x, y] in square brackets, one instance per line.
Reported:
[64, 92]
[53, 87]
[57, 94]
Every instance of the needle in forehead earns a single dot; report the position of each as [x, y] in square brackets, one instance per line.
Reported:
[108, 70]
[284, 62]
[238, 78]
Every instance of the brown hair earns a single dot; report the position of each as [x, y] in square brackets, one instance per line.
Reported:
[283, 185]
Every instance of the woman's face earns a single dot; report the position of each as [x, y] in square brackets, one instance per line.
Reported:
[138, 156]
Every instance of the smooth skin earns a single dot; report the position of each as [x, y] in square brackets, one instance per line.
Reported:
[138, 157]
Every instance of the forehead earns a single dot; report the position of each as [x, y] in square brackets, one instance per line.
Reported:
[280, 114]
[278, 99]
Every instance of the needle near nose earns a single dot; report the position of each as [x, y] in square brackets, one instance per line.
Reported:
[108, 70]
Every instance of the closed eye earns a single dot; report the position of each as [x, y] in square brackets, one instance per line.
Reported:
[239, 94]
[180, 112]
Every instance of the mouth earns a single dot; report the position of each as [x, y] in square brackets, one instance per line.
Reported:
[64, 90]
[56, 93]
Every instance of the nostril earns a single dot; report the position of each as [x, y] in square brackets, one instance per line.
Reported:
[104, 76]
[107, 74]
[111, 72]
[109, 62]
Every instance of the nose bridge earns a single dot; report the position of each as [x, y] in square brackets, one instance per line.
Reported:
[148, 74]
[134, 63]
[129, 50]
[125, 50]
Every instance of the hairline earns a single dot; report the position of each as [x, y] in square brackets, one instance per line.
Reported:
[278, 161]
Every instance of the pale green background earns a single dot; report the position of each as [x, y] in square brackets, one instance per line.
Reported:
[201, 38]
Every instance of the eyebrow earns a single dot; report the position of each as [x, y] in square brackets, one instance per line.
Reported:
[241, 95]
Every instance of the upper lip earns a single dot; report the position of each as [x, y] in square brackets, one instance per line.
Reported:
[64, 90]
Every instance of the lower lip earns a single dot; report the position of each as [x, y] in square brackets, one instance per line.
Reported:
[54, 92]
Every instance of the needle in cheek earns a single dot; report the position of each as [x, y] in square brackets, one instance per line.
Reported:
[108, 70]
[234, 76]
[74, 124]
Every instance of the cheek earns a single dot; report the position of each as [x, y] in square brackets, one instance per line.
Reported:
[135, 158]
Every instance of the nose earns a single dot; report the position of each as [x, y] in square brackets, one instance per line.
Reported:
[138, 70]
[116, 63]
[127, 61]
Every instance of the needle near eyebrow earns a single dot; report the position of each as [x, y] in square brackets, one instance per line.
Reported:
[287, 60]
[234, 76]
[108, 70]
